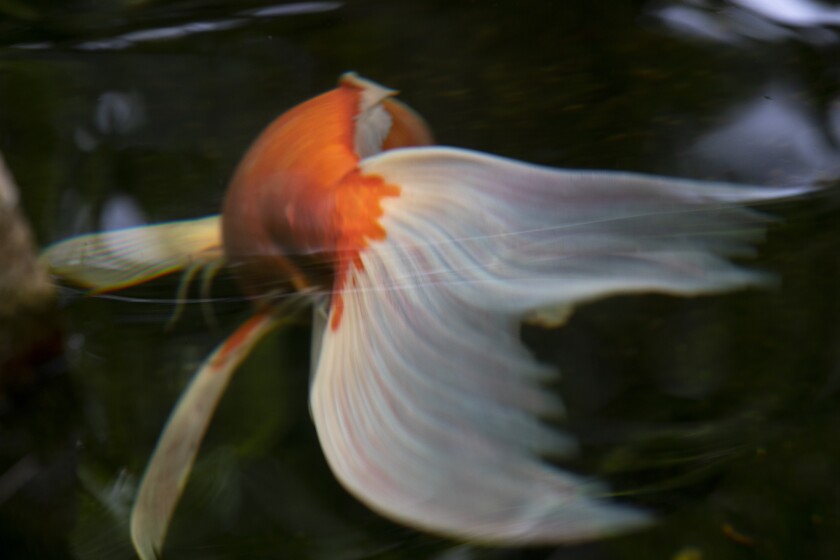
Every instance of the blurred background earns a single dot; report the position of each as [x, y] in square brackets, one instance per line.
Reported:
[719, 413]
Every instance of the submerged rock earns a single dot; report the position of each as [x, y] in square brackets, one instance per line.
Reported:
[28, 319]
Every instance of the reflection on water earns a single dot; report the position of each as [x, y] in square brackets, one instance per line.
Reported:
[133, 38]
[805, 13]
[790, 127]
[761, 20]
[719, 412]
[121, 211]
[770, 138]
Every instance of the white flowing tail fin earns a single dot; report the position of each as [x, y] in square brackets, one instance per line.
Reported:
[519, 237]
[425, 400]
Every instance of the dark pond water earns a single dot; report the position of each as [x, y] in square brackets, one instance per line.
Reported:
[721, 413]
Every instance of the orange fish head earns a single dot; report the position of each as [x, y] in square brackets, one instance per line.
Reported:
[280, 220]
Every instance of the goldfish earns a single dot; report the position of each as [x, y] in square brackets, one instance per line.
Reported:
[420, 263]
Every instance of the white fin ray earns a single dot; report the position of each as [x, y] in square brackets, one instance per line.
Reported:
[118, 259]
[424, 398]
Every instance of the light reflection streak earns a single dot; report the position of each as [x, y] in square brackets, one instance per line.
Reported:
[168, 33]
[292, 9]
[158, 34]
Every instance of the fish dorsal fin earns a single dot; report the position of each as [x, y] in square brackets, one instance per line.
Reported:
[373, 123]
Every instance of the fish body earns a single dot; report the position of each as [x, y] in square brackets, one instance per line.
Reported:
[426, 403]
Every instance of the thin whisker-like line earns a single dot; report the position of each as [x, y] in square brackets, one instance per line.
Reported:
[501, 235]
[181, 294]
[207, 276]
[187, 301]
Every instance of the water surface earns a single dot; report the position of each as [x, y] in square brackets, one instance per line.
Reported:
[720, 413]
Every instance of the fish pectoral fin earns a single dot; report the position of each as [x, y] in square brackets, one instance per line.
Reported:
[171, 463]
[118, 259]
